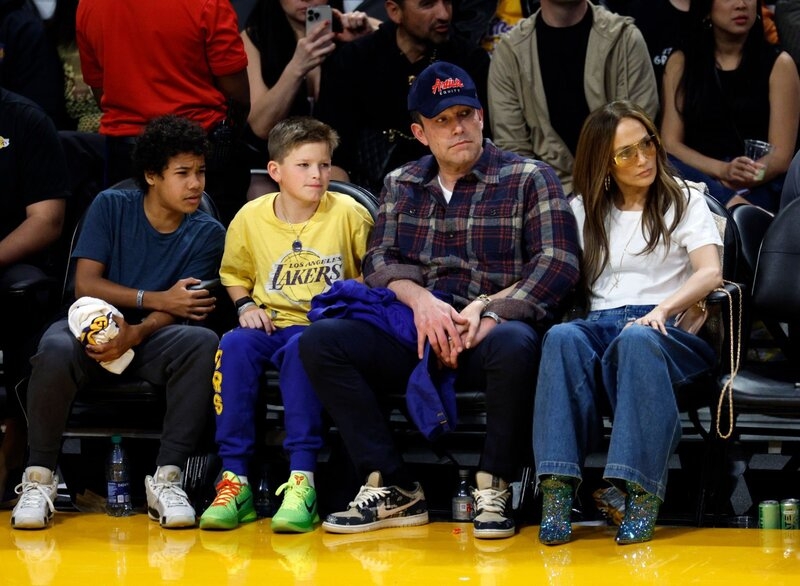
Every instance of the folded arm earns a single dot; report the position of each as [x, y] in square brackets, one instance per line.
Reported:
[41, 227]
[166, 307]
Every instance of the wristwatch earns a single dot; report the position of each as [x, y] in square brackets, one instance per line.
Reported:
[493, 316]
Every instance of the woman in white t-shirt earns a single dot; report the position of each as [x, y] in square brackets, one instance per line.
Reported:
[650, 252]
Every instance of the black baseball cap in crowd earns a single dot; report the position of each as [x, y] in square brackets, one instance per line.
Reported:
[440, 86]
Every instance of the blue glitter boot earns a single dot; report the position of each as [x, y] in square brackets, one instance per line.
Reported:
[641, 511]
[556, 508]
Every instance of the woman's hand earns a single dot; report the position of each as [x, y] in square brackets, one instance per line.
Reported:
[740, 173]
[706, 276]
[655, 318]
[312, 49]
[469, 329]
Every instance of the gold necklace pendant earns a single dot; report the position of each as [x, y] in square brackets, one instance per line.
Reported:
[616, 275]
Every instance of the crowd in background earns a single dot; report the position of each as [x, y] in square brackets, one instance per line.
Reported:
[701, 78]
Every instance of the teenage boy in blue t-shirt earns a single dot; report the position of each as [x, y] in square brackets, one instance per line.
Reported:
[140, 251]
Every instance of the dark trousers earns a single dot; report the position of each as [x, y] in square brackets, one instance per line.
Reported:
[179, 357]
[351, 364]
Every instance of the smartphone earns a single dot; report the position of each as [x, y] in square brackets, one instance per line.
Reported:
[317, 14]
[208, 285]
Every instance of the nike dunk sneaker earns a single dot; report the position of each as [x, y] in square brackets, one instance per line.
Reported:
[298, 512]
[233, 505]
[376, 507]
[493, 518]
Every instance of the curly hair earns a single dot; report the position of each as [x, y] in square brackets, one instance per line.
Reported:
[163, 138]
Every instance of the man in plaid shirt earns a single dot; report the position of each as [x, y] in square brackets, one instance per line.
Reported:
[482, 246]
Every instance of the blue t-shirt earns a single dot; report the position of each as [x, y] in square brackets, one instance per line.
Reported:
[117, 233]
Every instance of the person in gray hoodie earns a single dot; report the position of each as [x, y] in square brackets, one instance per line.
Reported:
[565, 60]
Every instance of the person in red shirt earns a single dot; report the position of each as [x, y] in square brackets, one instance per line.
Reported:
[147, 58]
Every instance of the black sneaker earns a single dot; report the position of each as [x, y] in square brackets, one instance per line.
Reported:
[376, 507]
[493, 519]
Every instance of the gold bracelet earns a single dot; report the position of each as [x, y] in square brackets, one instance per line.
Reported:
[485, 299]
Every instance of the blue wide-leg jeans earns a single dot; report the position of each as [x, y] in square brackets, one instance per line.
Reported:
[596, 362]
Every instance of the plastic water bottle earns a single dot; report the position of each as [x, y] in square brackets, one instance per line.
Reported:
[118, 503]
[463, 504]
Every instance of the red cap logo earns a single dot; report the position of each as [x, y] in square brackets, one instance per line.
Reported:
[443, 86]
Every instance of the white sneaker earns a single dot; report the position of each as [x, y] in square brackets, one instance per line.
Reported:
[166, 501]
[37, 491]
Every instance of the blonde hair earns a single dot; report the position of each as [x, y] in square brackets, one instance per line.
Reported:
[292, 132]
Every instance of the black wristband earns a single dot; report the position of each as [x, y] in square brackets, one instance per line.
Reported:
[242, 301]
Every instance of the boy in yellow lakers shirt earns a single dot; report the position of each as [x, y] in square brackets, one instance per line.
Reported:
[281, 250]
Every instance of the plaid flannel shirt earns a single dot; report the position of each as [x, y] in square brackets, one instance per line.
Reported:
[507, 222]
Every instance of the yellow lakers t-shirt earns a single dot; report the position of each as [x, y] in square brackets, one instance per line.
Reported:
[282, 278]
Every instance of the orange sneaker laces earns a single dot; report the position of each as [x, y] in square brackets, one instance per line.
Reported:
[226, 490]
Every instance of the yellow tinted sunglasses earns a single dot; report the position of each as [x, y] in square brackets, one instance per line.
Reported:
[628, 155]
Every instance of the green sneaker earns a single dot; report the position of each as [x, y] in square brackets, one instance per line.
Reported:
[233, 505]
[298, 512]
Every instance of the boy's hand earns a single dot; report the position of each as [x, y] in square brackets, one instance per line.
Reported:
[189, 304]
[128, 337]
[257, 319]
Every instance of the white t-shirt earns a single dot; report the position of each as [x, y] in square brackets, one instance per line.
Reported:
[630, 278]
[447, 193]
